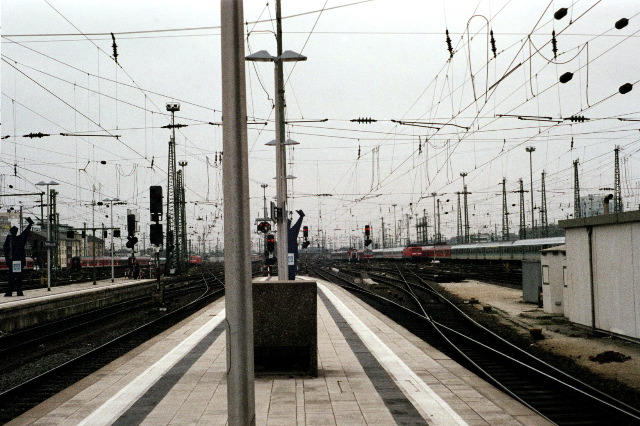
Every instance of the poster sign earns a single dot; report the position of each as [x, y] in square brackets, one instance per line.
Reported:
[291, 260]
[16, 267]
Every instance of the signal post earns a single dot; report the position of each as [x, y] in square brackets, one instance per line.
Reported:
[155, 233]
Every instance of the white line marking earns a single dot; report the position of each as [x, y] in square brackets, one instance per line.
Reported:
[108, 412]
[437, 410]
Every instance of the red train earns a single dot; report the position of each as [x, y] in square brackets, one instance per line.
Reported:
[4, 267]
[104, 261]
[493, 250]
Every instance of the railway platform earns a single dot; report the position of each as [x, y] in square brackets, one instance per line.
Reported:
[370, 372]
[39, 305]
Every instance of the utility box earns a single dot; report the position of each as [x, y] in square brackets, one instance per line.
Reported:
[531, 281]
[285, 328]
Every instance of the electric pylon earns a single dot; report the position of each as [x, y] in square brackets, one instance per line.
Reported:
[544, 224]
[172, 245]
[617, 196]
[576, 190]
[459, 237]
[505, 211]
[523, 224]
[438, 234]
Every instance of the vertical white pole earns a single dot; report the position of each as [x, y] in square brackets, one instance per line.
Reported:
[237, 237]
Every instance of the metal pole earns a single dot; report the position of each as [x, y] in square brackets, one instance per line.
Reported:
[395, 227]
[530, 150]
[112, 241]
[281, 155]
[176, 208]
[48, 239]
[264, 197]
[93, 225]
[237, 232]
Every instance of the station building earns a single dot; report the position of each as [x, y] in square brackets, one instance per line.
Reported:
[601, 285]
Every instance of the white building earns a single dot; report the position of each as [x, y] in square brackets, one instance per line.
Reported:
[603, 272]
[554, 278]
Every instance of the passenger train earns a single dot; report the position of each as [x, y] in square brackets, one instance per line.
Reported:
[3, 264]
[496, 250]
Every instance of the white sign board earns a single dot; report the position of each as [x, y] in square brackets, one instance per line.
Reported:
[17, 267]
[291, 260]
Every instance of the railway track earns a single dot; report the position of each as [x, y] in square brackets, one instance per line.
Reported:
[413, 303]
[61, 372]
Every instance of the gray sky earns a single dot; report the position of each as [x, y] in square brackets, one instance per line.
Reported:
[387, 60]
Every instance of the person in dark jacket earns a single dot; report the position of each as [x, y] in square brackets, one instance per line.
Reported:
[14, 252]
[292, 243]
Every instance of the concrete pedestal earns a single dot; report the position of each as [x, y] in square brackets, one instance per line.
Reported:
[285, 328]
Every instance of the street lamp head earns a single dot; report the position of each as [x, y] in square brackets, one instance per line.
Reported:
[530, 148]
[42, 183]
[173, 106]
[260, 56]
[291, 56]
[264, 56]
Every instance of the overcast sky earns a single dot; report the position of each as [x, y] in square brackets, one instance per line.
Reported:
[387, 60]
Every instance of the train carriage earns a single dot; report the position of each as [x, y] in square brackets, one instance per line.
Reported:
[437, 252]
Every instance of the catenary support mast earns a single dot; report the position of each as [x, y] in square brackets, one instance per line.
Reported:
[237, 232]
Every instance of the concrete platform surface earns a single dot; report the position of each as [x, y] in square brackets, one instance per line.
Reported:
[370, 372]
[33, 295]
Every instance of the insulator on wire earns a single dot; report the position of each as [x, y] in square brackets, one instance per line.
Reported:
[622, 23]
[560, 13]
[493, 44]
[625, 88]
[36, 135]
[566, 77]
[115, 48]
[365, 120]
[578, 118]
[554, 44]
[358, 151]
[449, 46]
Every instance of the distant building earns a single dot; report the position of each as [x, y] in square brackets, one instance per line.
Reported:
[593, 205]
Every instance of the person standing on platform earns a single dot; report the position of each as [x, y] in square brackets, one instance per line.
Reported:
[136, 270]
[292, 243]
[15, 257]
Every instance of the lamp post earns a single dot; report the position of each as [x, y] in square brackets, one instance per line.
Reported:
[530, 150]
[281, 153]
[48, 184]
[264, 197]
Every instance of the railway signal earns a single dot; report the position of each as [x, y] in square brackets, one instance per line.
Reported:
[131, 224]
[155, 234]
[264, 227]
[155, 202]
[131, 242]
[271, 247]
[271, 243]
[367, 235]
[305, 235]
